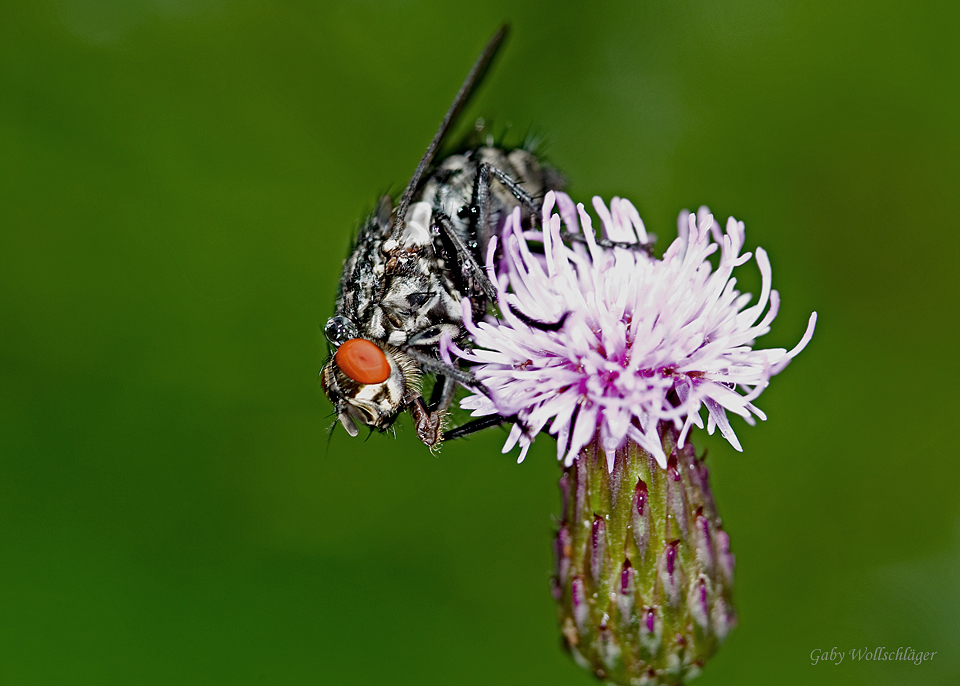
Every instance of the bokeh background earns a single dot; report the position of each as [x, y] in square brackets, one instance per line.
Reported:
[179, 182]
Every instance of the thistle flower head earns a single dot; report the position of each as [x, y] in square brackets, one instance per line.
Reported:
[641, 340]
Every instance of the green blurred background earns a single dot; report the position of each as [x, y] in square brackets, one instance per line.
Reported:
[179, 182]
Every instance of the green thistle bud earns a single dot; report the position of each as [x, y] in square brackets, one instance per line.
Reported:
[617, 354]
[644, 575]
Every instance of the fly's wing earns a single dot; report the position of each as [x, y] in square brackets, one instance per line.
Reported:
[463, 95]
[384, 208]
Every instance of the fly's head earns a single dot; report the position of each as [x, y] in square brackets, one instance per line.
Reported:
[368, 382]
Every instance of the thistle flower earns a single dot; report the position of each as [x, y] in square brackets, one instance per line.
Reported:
[643, 341]
[616, 354]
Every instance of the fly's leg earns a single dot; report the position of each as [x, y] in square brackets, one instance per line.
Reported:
[474, 276]
[429, 424]
[607, 243]
[479, 211]
[514, 187]
[429, 420]
[442, 396]
[481, 423]
[542, 326]
[476, 425]
[528, 201]
[432, 364]
[479, 208]
[437, 392]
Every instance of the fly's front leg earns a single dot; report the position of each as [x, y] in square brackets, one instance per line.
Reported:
[429, 421]
[442, 397]
[435, 366]
[429, 424]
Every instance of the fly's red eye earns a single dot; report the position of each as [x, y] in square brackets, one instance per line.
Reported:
[362, 361]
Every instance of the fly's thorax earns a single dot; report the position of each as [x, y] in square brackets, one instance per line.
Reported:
[415, 234]
[369, 383]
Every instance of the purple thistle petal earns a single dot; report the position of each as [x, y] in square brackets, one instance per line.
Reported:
[644, 340]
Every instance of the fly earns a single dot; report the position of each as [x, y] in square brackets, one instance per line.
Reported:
[413, 262]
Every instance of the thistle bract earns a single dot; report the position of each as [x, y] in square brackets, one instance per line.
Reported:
[644, 573]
